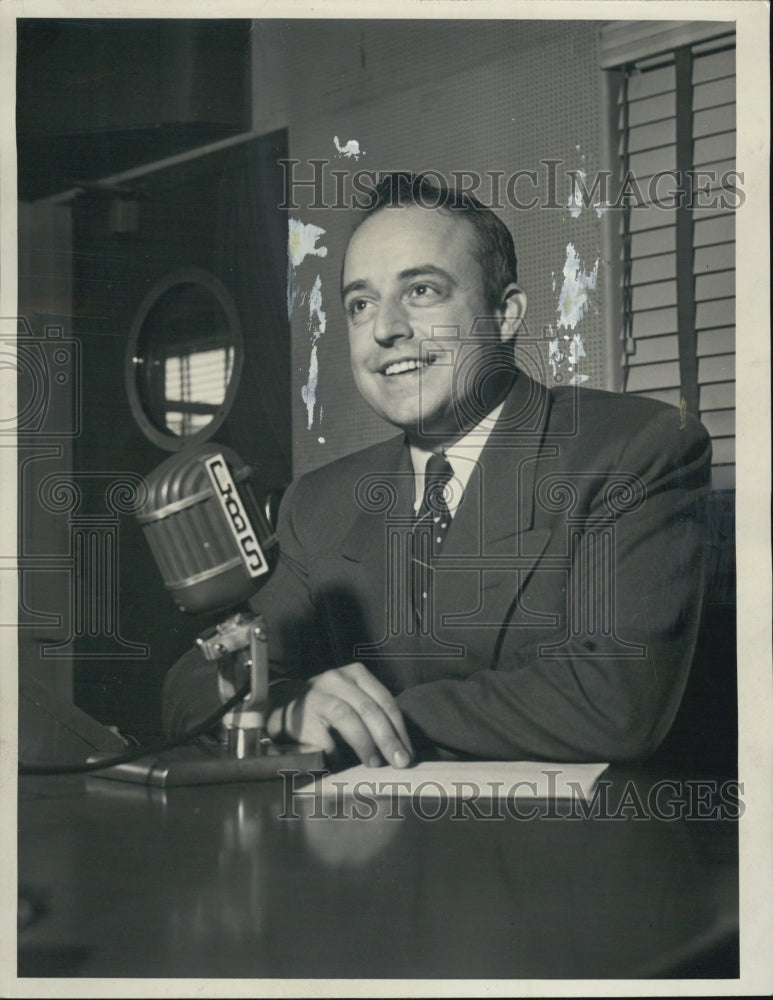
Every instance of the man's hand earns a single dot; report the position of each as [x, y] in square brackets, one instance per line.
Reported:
[358, 707]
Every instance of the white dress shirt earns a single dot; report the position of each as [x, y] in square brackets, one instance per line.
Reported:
[462, 456]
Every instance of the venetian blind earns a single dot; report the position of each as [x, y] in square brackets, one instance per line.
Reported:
[677, 113]
[195, 386]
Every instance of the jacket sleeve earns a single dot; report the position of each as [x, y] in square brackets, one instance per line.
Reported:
[587, 701]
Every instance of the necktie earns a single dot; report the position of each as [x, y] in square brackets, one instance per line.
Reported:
[434, 509]
[430, 529]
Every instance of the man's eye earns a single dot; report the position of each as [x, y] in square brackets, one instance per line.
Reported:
[357, 307]
[424, 292]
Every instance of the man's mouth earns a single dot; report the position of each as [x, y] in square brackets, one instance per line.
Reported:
[408, 365]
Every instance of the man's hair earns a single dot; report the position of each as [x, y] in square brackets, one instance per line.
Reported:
[494, 252]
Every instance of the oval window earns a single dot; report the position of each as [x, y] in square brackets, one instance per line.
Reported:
[185, 358]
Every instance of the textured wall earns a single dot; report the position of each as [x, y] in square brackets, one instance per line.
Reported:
[462, 95]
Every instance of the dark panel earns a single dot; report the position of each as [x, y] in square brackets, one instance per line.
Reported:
[219, 214]
[96, 97]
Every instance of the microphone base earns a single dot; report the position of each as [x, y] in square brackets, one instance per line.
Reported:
[198, 765]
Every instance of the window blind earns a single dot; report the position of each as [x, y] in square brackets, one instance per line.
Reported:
[677, 113]
[196, 383]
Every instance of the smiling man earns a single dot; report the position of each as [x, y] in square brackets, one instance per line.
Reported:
[517, 574]
[411, 280]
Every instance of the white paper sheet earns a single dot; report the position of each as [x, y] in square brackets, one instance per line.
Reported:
[465, 779]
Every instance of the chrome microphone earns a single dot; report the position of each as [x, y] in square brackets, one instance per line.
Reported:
[214, 547]
[208, 534]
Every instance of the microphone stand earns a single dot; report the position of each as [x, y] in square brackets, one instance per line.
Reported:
[239, 647]
[202, 494]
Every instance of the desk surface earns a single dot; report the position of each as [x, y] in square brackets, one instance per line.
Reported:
[117, 880]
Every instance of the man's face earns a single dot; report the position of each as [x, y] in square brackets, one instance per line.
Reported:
[409, 271]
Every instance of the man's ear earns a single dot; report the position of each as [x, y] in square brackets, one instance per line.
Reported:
[511, 312]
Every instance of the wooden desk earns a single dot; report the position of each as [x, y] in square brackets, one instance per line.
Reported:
[212, 882]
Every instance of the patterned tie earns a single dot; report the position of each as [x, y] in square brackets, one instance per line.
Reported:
[429, 532]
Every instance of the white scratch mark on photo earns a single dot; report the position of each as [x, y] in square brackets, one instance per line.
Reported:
[574, 298]
[350, 149]
[317, 323]
[301, 243]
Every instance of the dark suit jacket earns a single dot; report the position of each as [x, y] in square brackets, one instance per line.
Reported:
[565, 601]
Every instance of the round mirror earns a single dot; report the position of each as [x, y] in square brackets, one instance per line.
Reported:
[185, 358]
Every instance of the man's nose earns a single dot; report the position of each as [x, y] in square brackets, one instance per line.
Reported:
[392, 323]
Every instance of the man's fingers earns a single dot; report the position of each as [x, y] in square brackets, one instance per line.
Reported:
[351, 701]
[384, 723]
[395, 748]
[376, 690]
[347, 722]
[305, 727]
[361, 722]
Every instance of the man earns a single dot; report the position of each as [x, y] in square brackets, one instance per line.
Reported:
[541, 604]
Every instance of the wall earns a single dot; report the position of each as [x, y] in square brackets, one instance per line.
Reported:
[49, 408]
[420, 95]
[90, 75]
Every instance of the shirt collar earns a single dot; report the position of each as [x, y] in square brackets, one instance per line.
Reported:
[462, 455]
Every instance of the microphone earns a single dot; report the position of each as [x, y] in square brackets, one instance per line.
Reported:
[212, 542]
[215, 547]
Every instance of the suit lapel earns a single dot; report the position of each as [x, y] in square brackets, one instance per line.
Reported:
[493, 544]
[384, 496]
[374, 553]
